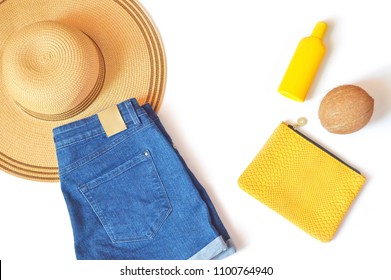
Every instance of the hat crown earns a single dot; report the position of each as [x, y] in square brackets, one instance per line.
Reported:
[52, 71]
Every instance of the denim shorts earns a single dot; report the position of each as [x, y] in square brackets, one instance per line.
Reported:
[132, 196]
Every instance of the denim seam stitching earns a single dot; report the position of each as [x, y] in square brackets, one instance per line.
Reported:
[117, 172]
[84, 138]
[60, 147]
[167, 211]
[82, 123]
[91, 157]
[99, 216]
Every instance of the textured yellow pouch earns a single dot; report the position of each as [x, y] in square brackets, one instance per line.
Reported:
[302, 181]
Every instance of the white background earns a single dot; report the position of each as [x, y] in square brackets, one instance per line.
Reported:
[225, 61]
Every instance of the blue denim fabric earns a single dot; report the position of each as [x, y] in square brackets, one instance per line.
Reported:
[131, 195]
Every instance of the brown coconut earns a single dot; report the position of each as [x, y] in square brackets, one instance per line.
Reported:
[346, 109]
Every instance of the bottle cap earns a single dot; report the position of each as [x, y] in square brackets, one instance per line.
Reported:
[319, 30]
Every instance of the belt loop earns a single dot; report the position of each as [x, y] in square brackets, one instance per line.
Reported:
[132, 112]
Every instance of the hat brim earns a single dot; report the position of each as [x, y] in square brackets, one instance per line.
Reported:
[135, 66]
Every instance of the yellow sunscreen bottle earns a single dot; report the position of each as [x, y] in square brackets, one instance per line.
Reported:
[304, 65]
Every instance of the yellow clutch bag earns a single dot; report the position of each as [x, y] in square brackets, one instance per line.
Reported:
[302, 181]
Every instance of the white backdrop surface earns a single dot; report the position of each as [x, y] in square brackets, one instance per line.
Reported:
[225, 61]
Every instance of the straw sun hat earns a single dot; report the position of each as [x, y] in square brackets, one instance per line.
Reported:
[63, 60]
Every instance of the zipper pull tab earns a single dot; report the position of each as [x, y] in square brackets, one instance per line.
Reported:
[299, 123]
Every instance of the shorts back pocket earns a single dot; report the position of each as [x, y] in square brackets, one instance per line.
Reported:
[130, 200]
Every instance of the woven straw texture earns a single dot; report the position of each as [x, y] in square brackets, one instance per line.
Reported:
[64, 60]
[301, 182]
